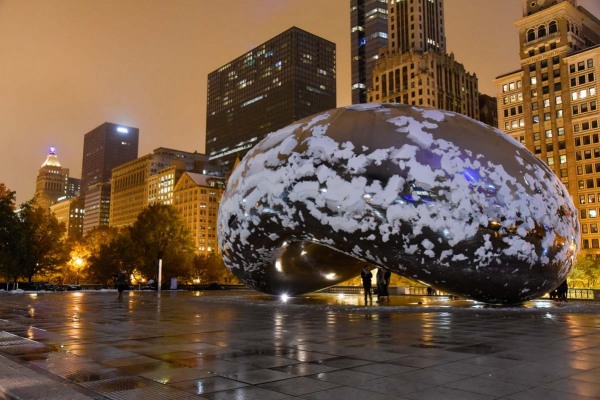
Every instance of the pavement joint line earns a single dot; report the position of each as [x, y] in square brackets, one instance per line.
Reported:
[20, 382]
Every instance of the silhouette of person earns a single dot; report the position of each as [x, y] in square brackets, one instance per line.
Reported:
[121, 283]
[563, 291]
[383, 280]
[366, 277]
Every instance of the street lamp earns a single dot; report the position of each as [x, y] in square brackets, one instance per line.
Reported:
[79, 265]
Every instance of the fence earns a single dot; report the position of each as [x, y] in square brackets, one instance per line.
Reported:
[574, 293]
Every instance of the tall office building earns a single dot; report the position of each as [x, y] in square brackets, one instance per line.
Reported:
[415, 68]
[52, 181]
[368, 34]
[550, 103]
[283, 80]
[104, 148]
[131, 185]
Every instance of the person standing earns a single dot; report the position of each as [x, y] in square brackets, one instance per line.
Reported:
[381, 285]
[121, 283]
[387, 276]
[366, 275]
[563, 291]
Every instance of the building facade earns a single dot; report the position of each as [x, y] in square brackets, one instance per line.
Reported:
[368, 34]
[97, 206]
[130, 192]
[289, 77]
[52, 181]
[69, 211]
[550, 103]
[415, 68]
[197, 198]
[488, 110]
[104, 148]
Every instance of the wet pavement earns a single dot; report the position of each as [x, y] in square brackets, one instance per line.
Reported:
[243, 345]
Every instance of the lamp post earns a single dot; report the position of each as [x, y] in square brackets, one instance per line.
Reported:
[162, 242]
[159, 272]
[78, 264]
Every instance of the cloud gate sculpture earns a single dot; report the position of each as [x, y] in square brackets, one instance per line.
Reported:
[428, 194]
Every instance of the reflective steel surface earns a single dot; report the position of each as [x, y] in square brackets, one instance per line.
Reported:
[428, 194]
[245, 345]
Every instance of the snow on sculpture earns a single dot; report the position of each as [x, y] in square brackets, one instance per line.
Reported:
[428, 194]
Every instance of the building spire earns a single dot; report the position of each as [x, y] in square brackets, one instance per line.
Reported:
[51, 159]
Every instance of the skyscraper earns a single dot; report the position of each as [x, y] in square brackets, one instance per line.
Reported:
[417, 26]
[368, 34]
[287, 78]
[104, 148]
[550, 103]
[415, 68]
[52, 181]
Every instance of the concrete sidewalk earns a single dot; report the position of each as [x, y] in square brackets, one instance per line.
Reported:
[19, 382]
[224, 345]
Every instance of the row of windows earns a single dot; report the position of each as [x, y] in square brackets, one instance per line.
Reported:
[584, 107]
[513, 98]
[585, 140]
[546, 89]
[588, 184]
[588, 213]
[547, 116]
[583, 93]
[589, 169]
[581, 65]
[542, 31]
[514, 124]
[542, 49]
[544, 64]
[585, 126]
[581, 79]
[544, 76]
[589, 198]
[593, 228]
[587, 154]
[548, 133]
[546, 102]
[513, 111]
[511, 86]
[562, 160]
[595, 244]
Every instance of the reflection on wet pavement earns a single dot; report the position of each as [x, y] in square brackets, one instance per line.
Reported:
[244, 345]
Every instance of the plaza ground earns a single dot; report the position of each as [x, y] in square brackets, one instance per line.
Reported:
[243, 345]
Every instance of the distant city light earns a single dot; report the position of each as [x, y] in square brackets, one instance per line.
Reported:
[122, 130]
[52, 150]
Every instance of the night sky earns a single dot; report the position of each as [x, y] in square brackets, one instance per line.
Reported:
[69, 65]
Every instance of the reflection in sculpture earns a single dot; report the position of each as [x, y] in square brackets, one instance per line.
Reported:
[428, 194]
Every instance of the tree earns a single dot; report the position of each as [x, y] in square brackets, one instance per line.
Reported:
[7, 223]
[119, 254]
[160, 233]
[36, 245]
[211, 269]
[586, 271]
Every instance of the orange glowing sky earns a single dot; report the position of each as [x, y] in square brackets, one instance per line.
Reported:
[69, 65]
